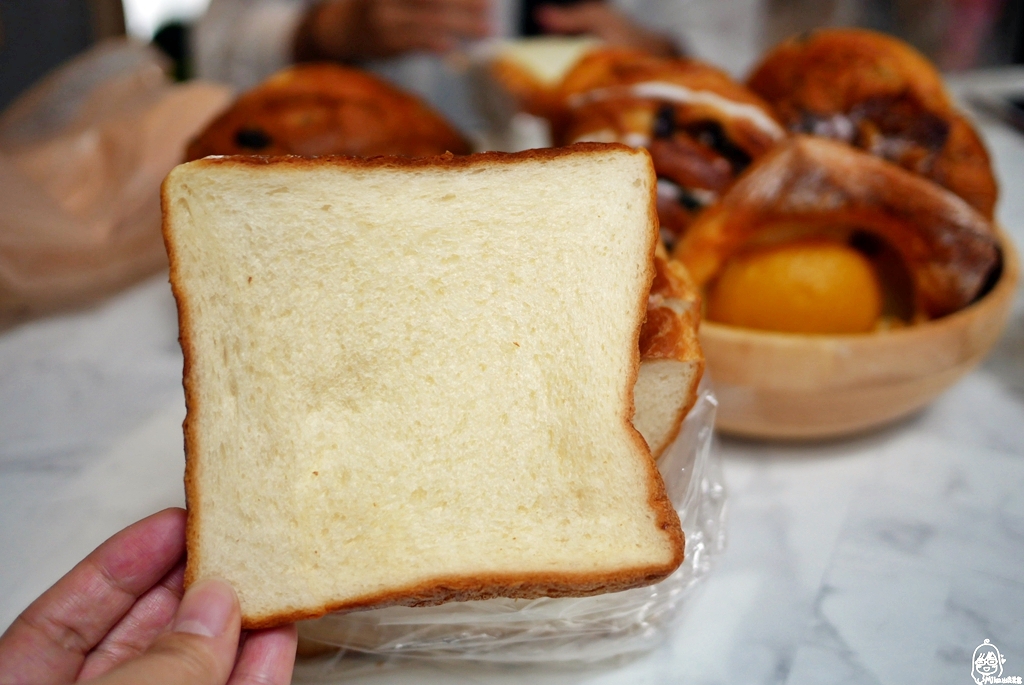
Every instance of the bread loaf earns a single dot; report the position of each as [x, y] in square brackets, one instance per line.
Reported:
[411, 381]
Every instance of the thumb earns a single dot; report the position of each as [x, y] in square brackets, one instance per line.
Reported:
[200, 648]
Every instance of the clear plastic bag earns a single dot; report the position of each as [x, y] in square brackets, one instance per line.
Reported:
[82, 156]
[586, 629]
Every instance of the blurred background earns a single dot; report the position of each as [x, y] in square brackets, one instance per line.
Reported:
[36, 35]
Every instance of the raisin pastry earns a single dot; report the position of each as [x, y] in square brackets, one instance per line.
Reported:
[878, 94]
[701, 128]
[327, 109]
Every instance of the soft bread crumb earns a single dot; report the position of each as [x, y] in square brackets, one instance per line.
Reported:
[409, 382]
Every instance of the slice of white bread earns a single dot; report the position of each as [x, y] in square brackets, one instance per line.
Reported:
[671, 360]
[410, 381]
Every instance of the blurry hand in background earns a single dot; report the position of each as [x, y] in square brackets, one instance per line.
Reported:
[603, 21]
[352, 30]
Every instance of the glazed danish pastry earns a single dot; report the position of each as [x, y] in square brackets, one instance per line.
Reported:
[701, 127]
[813, 187]
[327, 109]
[879, 94]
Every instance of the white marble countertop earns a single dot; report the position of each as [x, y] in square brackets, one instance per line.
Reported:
[882, 559]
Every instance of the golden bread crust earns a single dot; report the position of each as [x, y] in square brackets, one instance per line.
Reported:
[446, 588]
[879, 94]
[514, 586]
[325, 109]
[811, 184]
[190, 435]
[447, 159]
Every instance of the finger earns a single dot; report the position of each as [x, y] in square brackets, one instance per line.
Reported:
[409, 36]
[49, 641]
[463, 24]
[469, 16]
[267, 658]
[450, 25]
[199, 650]
[568, 19]
[140, 627]
[475, 8]
[419, 28]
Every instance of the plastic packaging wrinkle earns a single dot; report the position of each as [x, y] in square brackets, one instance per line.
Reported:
[585, 629]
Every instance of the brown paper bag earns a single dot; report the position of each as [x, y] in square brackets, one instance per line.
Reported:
[82, 156]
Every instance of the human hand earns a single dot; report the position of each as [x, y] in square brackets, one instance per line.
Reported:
[348, 30]
[603, 21]
[119, 617]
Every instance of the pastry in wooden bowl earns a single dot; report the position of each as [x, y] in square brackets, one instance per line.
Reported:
[814, 187]
[876, 288]
[701, 127]
[327, 109]
[879, 94]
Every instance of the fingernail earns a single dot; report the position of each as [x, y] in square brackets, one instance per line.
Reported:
[206, 609]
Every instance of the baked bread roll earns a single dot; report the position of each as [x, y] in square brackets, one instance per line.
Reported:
[701, 127]
[410, 381]
[327, 109]
[530, 70]
[879, 94]
[809, 186]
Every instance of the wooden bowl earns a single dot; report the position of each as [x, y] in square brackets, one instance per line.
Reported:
[791, 386]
